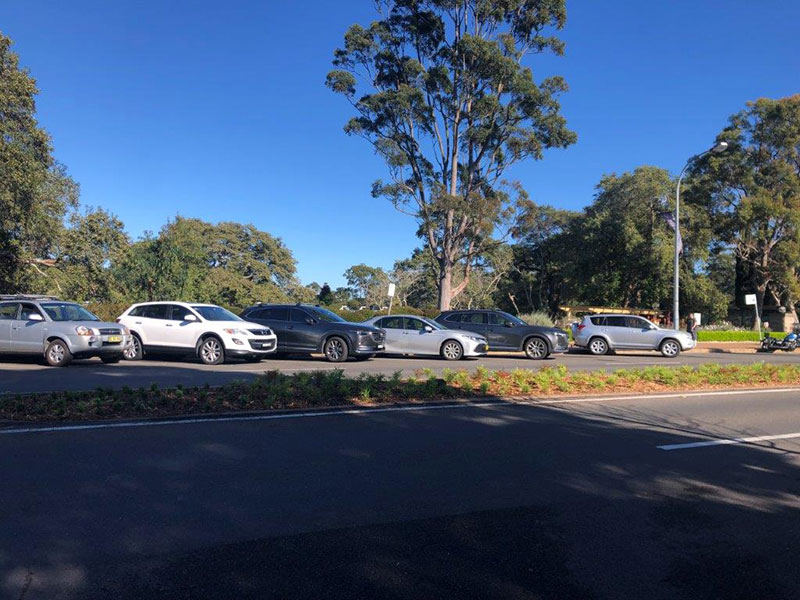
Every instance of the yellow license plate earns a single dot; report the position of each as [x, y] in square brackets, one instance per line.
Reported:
[114, 338]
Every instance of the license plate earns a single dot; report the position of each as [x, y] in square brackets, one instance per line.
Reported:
[114, 338]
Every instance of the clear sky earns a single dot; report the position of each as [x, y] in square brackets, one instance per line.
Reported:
[218, 110]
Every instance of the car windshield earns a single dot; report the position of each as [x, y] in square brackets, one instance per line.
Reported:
[66, 311]
[216, 313]
[512, 318]
[325, 315]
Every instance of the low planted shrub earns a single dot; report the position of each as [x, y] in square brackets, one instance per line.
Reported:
[704, 335]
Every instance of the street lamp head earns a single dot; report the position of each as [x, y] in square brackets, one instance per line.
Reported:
[719, 147]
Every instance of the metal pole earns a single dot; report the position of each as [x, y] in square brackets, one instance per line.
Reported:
[676, 276]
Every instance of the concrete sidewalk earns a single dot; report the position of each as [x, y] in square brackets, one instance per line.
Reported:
[726, 347]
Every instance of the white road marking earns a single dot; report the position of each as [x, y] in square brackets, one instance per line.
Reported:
[747, 440]
[244, 418]
[663, 396]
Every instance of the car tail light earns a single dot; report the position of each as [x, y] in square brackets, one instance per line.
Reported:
[118, 320]
[581, 326]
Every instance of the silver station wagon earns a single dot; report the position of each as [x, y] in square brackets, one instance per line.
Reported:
[57, 330]
[601, 334]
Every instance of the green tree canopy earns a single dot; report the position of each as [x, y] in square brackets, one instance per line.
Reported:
[447, 101]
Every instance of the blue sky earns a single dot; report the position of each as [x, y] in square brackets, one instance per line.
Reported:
[219, 110]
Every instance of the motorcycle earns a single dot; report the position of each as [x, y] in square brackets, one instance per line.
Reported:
[787, 344]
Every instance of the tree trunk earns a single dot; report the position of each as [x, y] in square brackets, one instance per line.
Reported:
[445, 283]
[761, 292]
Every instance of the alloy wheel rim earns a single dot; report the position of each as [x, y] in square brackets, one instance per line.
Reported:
[598, 346]
[211, 351]
[536, 348]
[56, 353]
[451, 350]
[132, 350]
[670, 348]
[335, 349]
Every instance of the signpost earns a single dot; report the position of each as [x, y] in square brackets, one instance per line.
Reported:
[750, 300]
[391, 297]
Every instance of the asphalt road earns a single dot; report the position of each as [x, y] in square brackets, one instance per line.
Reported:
[561, 500]
[28, 375]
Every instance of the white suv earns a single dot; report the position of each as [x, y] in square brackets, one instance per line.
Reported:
[204, 330]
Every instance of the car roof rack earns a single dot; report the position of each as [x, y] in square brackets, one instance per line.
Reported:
[27, 297]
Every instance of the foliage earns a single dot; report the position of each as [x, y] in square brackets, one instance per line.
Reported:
[705, 335]
[752, 194]
[35, 191]
[538, 318]
[276, 390]
[450, 106]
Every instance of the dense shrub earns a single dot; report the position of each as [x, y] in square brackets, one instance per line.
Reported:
[537, 318]
[732, 336]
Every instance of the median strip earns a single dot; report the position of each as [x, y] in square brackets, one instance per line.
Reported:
[325, 389]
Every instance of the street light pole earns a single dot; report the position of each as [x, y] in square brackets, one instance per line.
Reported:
[719, 147]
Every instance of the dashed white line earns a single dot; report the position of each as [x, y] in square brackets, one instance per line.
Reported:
[744, 440]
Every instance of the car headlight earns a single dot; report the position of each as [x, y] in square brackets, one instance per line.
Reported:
[475, 338]
[82, 330]
[235, 332]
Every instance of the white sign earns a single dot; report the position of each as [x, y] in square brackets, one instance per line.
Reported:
[698, 319]
[750, 299]
[391, 290]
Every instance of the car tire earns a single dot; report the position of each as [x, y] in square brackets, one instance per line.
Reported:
[452, 350]
[58, 354]
[670, 348]
[111, 360]
[134, 350]
[598, 346]
[211, 351]
[335, 349]
[536, 348]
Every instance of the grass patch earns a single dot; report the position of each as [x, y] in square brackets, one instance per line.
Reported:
[276, 390]
[734, 336]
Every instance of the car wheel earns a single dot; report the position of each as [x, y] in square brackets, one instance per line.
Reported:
[536, 348]
[598, 346]
[452, 350]
[670, 348]
[58, 354]
[211, 351]
[335, 350]
[111, 360]
[133, 351]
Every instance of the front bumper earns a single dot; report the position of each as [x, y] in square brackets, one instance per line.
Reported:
[239, 345]
[369, 344]
[85, 346]
[474, 348]
[559, 342]
[687, 344]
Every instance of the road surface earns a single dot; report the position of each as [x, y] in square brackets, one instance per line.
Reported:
[27, 375]
[631, 498]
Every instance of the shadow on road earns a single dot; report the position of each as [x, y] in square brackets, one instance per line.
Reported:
[496, 502]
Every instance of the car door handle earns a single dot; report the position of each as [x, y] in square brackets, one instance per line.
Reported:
[169, 324]
[290, 327]
[138, 322]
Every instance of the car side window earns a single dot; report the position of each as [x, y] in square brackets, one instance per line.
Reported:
[156, 311]
[599, 321]
[454, 318]
[299, 316]
[27, 310]
[496, 319]
[179, 312]
[414, 324]
[136, 312]
[8, 311]
[616, 321]
[392, 323]
[474, 318]
[636, 323]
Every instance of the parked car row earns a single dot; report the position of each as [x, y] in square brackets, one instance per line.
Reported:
[62, 331]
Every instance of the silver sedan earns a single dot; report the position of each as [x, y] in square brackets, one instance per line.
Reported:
[409, 334]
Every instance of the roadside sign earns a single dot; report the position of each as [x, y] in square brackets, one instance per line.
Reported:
[391, 290]
[750, 299]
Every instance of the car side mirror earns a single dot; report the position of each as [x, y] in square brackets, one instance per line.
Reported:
[190, 318]
[35, 317]
[310, 321]
[509, 324]
[428, 329]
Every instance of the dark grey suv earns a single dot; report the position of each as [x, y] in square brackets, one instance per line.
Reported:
[507, 332]
[303, 328]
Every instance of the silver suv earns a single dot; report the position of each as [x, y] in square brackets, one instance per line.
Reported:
[603, 333]
[57, 330]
